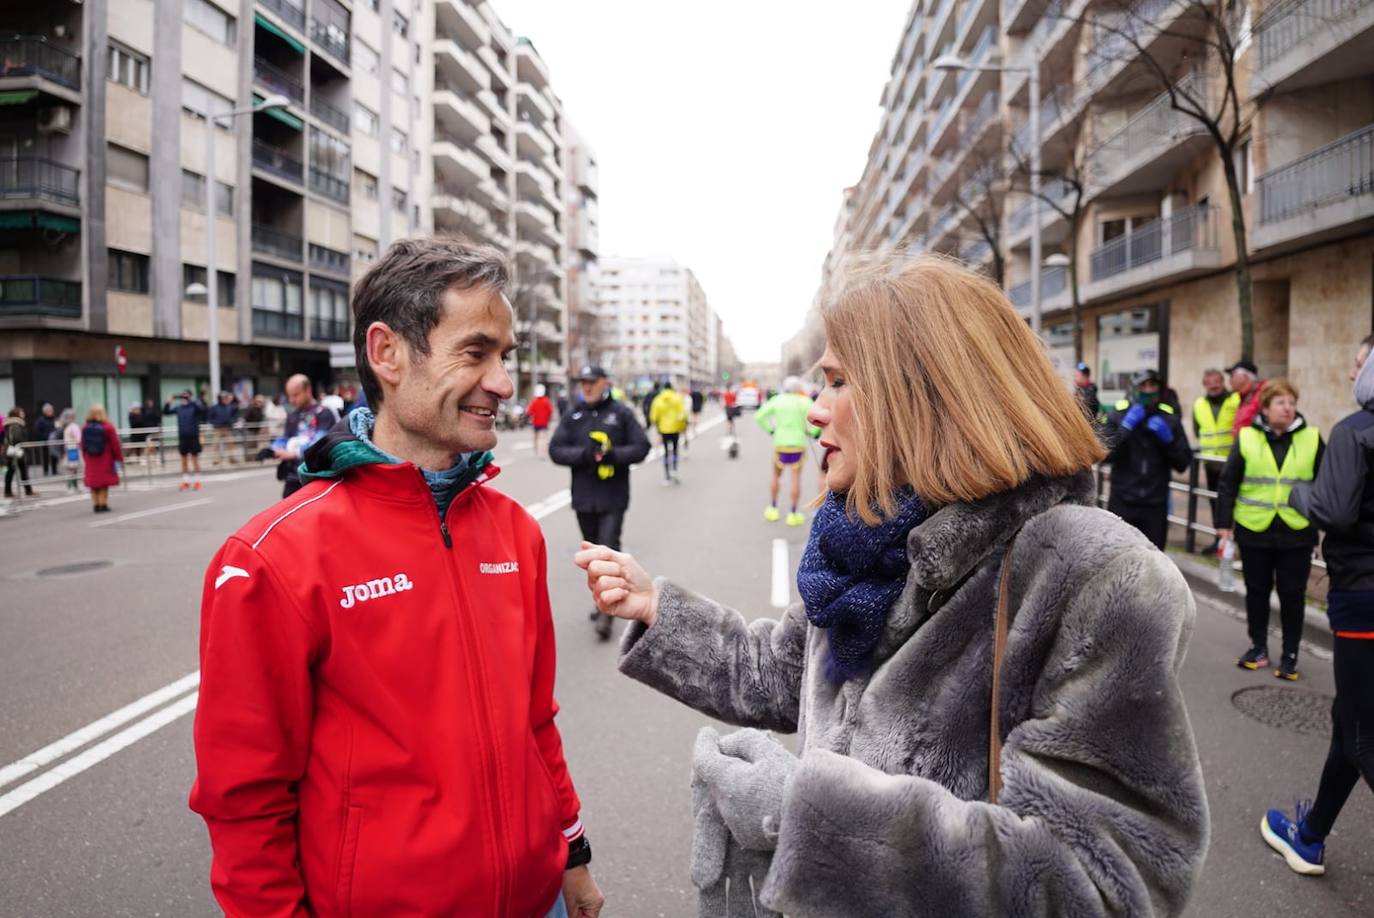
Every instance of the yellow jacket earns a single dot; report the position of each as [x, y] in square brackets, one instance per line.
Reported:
[668, 413]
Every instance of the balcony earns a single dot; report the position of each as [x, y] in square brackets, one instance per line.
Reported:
[1052, 224]
[327, 113]
[1326, 193]
[321, 329]
[289, 12]
[536, 219]
[534, 181]
[278, 162]
[458, 64]
[495, 153]
[31, 295]
[458, 112]
[456, 213]
[269, 323]
[331, 37]
[542, 255]
[1168, 250]
[277, 80]
[1150, 148]
[459, 165]
[269, 241]
[330, 186]
[457, 17]
[1019, 15]
[532, 141]
[1312, 42]
[31, 62]
[1054, 292]
[329, 261]
[34, 182]
[537, 100]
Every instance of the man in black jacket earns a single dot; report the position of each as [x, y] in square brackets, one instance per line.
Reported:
[599, 441]
[1341, 501]
[1146, 441]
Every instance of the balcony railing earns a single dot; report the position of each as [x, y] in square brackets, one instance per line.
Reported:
[35, 177]
[334, 117]
[1053, 281]
[290, 13]
[1338, 171]
[1157, 124]
[329, 260]
[1119, 42]
[277, 80]
[26, 55]
[1279, 30]
[275, 324]
[1188, 230]
[331, 37]
[277, 161]
[268, 241]
[1053, 190]
[986, 111]
[330, 186]
[29, 294]
[322, 329]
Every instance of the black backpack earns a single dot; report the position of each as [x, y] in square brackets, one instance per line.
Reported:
[93, 438]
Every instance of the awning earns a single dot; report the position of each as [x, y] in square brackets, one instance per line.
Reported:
[59, 223]
[17, 96]
[16, 219]
[28, 219]
[281, 33]
[282, 115]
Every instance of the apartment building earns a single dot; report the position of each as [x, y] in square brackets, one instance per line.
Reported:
[103, 182]
[658, 324]
[1153, 257]
[586, 340]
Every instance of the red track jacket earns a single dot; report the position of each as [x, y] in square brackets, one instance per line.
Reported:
[375, 729]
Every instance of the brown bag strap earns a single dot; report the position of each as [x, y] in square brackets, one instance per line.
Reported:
[999, 648]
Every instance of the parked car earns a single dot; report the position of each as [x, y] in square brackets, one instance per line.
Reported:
[747, 397]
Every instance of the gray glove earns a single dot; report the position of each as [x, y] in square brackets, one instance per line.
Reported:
[746, 774]
[726, 875]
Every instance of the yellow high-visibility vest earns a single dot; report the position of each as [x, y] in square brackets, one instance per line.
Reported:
[1214, 430]
[1265, 488]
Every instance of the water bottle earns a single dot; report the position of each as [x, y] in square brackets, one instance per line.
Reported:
[1226, 566]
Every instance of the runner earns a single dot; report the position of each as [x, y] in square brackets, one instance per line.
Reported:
[698, 402]
[669, 414]
[784, 417]
[731, 410]
[540, 412]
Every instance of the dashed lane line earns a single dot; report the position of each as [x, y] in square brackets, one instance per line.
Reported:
[140, 514]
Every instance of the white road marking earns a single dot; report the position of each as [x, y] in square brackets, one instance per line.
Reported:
[96, 754]
[523, 446]
[782, 591]
[139, 514]
[97, 729]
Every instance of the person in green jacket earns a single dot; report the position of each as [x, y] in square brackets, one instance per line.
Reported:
[784, 417]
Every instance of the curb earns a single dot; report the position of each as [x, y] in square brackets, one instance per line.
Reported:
[1202, 578]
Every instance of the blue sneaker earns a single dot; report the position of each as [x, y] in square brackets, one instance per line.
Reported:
[1283, 836]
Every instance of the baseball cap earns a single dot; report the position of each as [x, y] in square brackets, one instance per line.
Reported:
[1246, 365]
[592, 372]
[1140, 377]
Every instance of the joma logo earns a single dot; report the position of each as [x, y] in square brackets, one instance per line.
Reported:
[375, 589]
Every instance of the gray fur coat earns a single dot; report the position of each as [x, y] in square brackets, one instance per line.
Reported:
[1102, 810]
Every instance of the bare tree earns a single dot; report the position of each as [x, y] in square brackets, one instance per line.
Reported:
[981, 196]
[531, 286]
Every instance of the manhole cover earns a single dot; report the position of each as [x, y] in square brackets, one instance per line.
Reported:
[1286, 708]
[76, 567]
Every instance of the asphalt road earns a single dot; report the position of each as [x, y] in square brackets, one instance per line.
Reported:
[99, 826]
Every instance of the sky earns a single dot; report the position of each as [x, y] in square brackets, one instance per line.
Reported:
[724, 132]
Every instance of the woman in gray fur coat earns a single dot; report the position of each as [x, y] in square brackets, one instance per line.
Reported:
[950, 444]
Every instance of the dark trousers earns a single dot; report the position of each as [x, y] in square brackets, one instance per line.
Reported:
[291, 486]
[670, 454]
[1268, 568]
[23, 469]
[1149, 519]
[1352, 733]
[602, 528]
[1213, 472]
[49, 461]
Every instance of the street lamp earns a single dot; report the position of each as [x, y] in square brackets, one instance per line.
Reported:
[211, 286]
[947, 62]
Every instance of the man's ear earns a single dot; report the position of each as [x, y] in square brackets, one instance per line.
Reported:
[388, 354]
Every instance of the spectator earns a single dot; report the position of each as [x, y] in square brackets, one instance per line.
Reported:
[1246, 383]
[1214, 412]
[334, 402]
[1085, 390]
[698, 400]
[253, 418]
[45, 431]
[190, 413]
[1341, 501]
[1276, 451]
[540, 412]
[221, 416]
[648, 402]
[275, 416]
[16, 462]
[1146, 441]
[151, 421]
[307, 423]
[137, 437]
[71, 444]
[103, 457]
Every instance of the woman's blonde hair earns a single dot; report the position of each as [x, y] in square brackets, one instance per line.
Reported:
[97, 413]
[953, 394]
[1273, 388]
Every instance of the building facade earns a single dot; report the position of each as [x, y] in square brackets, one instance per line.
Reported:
[103, 182]
[1135, 198]
[586, 338]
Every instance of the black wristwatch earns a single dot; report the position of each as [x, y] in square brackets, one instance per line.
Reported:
[579, 853]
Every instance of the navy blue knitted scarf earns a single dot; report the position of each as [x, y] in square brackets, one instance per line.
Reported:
[850, 574]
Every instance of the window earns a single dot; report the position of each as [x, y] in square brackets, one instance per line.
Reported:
[374, 5]
[200, 102]
[212, 20]
[365, 120]
[126, 169]
[192, 190]
[329, 154]
[128, 272]
[277, 303]
[366, 184]
[128, 68]
[195, 274]
[328, 310]
[224, 199]
[364, 249]
[365, 60]
[400, 83]
[398, 141]
[400, 24]
[398, 200]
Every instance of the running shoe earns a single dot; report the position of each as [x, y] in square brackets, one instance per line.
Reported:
[1284, 835]
[1255, 658]
[795, 519]
[771, 514]
[1288, 667]
[196, 486]
[185, 486]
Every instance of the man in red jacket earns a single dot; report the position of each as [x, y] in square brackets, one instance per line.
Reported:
[1245, 381]
[375, 732]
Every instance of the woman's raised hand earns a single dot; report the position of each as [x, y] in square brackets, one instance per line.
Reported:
[618, 584]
